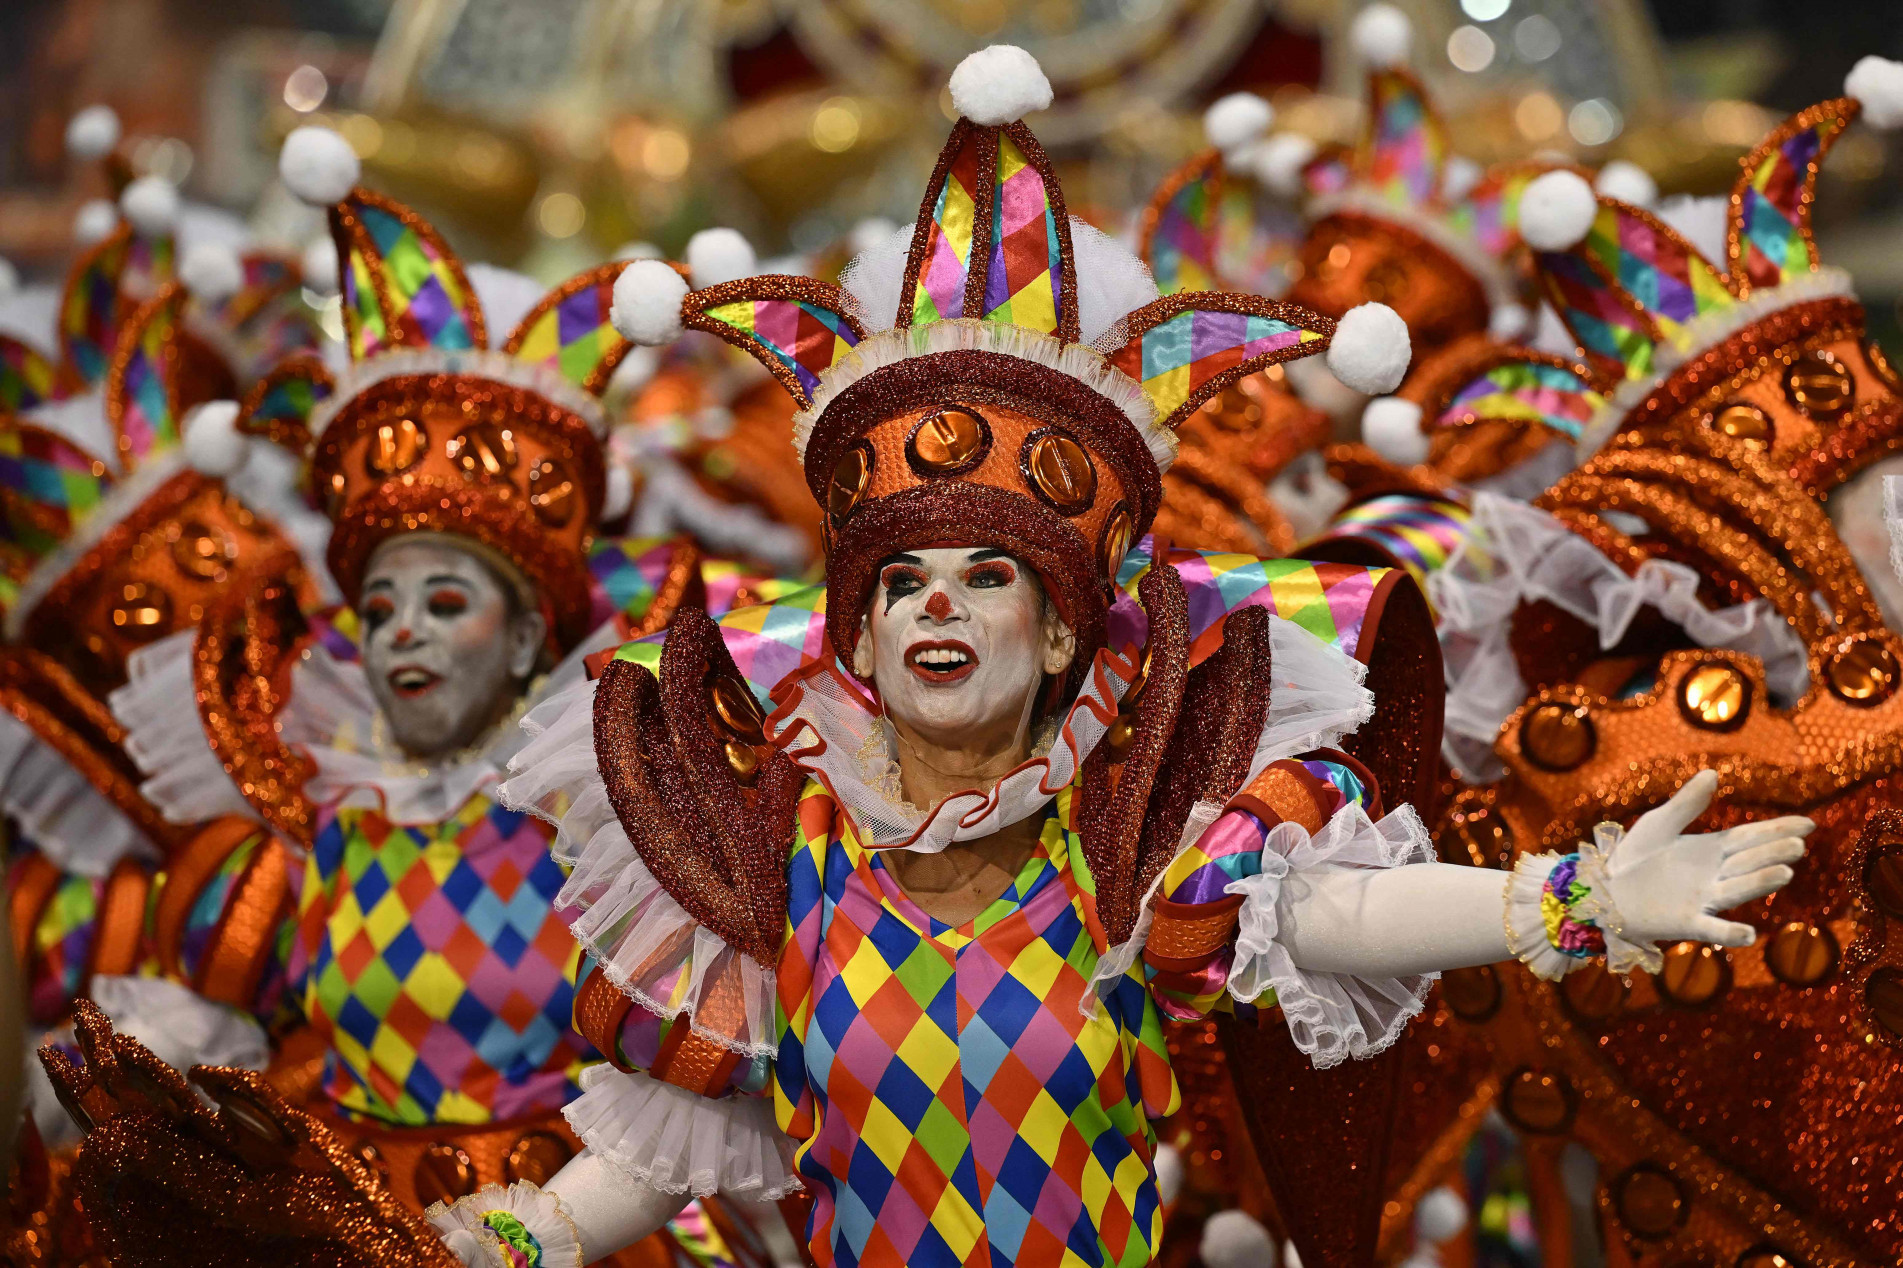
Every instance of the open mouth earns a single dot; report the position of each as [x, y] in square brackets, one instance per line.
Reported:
[941, 662]
[411, 681]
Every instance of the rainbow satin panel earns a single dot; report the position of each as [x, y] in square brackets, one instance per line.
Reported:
[805, 338]
[1525, 391]
[429, 307]
[1773, 209]
[1024, 281]
[1406, 145]
[573, 336]
[1181, 353]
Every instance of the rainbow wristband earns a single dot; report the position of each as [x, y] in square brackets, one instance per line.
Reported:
[1560, 897]
[517, 1244]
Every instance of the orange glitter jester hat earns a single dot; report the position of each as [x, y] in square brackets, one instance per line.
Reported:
[1000, 373]
[432, 427]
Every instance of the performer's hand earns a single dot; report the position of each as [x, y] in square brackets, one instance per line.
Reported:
[167, 1182]
[1664, 883]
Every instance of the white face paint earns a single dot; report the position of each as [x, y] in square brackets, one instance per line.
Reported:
[958, 640]
[446, 645]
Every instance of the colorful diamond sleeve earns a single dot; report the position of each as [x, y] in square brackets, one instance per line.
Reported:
[1196, 914]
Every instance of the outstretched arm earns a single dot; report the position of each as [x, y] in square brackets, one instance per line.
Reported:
[1659, 885]
[611, 1210]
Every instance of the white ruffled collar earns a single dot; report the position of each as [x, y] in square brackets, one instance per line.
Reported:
[835, 732]
[333, 719]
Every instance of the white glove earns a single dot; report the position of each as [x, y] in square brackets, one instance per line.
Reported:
[1661, 884]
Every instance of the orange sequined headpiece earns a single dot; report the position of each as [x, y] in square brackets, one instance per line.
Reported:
[962, 389]
[110, 537]
[430, 428]
[1397, 218]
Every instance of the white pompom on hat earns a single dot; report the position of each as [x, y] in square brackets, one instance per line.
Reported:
[97, 217]
[319, 265]
[647, 303]
[1877, 84]
[1557, 211]
[1235, 121]
[1278, 162]
[1391, 426]
[1382, 36]
[1235, 1239]
[620, 493]
[1440, 1215]
[150, 205]
[1628, 182]
[999, 85]
[719, 255]
[318, 166]
[1508, 320]
[92, 133]
[1370, 349]
[212, 272]
[213, 444]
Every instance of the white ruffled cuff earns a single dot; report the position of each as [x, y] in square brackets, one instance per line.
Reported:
[1332, 1016]
[158, 707]
[470, 1232]
[645, 942]
[1526, 922]
[677, 1141]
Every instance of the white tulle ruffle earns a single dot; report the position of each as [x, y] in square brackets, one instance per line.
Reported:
[466, 1233]
[681, 1142]
[164, 737]
[58, 809]
[1516, 554]
[1331, 1016]
[645, 942]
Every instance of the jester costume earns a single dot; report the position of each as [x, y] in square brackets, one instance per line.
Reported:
[393, 906]
[777, 1014]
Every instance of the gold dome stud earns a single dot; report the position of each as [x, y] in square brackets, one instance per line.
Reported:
[1472, 993]
[142, 611]
[851, 474]
[1883, 879]
[1539, 1101]
[394, 448]
[204, 552]
[1743, 422]
[739, 712]
[443, 1174]
[1864, 671]
[1715, 697]
[1883, 994]
[1558, 737]
[484, 451]
[1694, 974]
[742, 760]
[535, 1157]
[1801, 954]
[1060, 472]
[947, 442]
[1115, 542]
[1649, 1201]
[1880, 364]
[553, 493]
[1593, 994]
[1818, 384]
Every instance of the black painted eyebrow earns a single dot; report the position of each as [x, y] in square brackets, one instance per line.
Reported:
[902, 559]
[445, 578]
[980, 556]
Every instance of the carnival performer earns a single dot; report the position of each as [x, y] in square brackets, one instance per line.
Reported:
[1695, 595]
[908, 940]
[360, 871]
